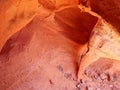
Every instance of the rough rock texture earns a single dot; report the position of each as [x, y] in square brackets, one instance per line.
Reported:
[39, 57]
[61, 46]
[103, 74]
[101, 60]
[36, 58]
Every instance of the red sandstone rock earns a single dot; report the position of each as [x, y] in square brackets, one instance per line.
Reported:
[103, 74]
[63, 46]
[101, 59]
[108, 9]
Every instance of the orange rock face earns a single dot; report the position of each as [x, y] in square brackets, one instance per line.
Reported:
[14, 16]
[59, 45]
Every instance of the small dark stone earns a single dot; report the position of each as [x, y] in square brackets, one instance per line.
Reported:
[50, 81]
[60, 68]
[81, 81]
[68, 75]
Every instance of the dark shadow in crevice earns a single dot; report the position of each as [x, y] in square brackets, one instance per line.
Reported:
[76, 25]
[109, 10]
[16, 43]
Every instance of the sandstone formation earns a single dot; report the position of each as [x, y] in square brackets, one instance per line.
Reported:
[14, 16]
[59, 45]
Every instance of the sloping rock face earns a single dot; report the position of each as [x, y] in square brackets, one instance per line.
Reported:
[59, 45]
[101, 61]
[14, 16]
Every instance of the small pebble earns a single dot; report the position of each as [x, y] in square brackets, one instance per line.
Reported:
[103, 76]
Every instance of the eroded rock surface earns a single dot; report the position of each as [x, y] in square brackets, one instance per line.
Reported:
[103, 74]
[101, 61]
[59, 45]
[14, 16]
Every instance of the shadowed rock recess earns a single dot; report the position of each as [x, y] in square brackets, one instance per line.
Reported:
[59, 45]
